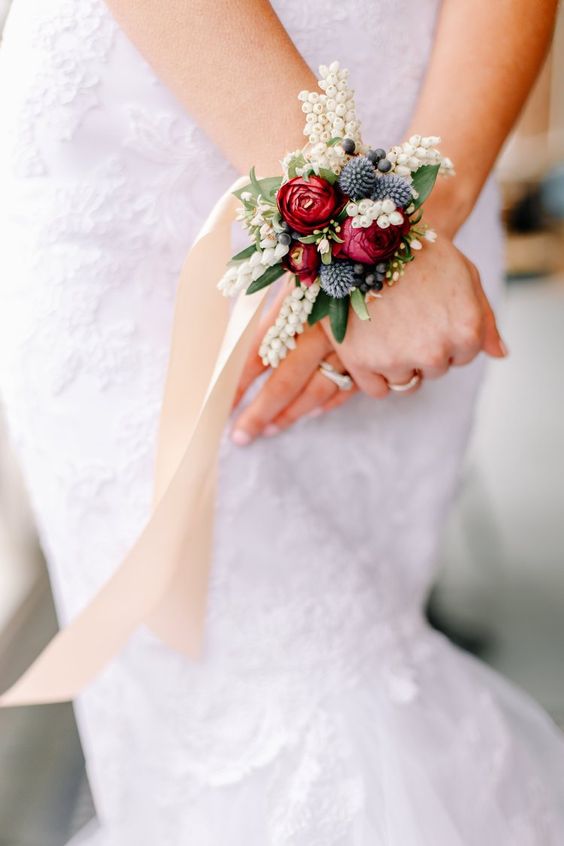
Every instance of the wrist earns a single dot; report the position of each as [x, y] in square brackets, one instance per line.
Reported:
[448, 206]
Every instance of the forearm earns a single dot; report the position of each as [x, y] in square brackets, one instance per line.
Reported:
[232, 65]
[484, 62]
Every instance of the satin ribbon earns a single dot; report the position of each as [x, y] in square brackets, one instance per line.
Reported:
[163, 580]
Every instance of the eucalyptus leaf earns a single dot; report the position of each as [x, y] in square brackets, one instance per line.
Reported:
[423, 181]
[359, 304]
[270, 275]
[245, 254]
[320, 308]
[338, 315]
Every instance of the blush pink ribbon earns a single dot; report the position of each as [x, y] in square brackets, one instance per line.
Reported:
[163, 580]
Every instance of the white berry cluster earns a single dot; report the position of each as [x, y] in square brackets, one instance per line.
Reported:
[418, 151]
[366, 211]
[239, 276]
[292, 316]
[331, 114]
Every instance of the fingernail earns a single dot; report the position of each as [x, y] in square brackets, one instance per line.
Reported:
[270, 430]
[240, 437]
[503, 348]
[315, 413]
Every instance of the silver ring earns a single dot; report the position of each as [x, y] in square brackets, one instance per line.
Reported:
[415, 379]
[342, 380]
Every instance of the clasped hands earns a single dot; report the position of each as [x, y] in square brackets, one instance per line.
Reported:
[437, 316]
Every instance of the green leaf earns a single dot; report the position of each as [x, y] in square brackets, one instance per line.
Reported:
[297, 161]
[270, 275]
[245, 254]
[309, 239]
[334, 141]
[343, 214]
[269, 186]
[359, 304]
[242, 190]
[320, 308]
[254, 181]
[266, 187]
[407, 254]
[338, 315]
[328, 175]
[423, 181]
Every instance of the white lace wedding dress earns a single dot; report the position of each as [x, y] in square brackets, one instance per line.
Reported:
[325, 711]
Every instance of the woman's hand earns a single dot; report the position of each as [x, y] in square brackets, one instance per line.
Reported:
[296, 388]
[437, 315]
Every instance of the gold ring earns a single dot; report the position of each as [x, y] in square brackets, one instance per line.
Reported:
[415, 379]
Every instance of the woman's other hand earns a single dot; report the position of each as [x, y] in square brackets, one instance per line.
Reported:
[295, 389]
[435, 316]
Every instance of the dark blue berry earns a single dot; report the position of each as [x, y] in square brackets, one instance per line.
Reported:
[376, 155]
[381, 267]
[384, 165]
[348, 146]
[284, 238]
[358, 268]
[378, 285]
[363, 288]
[370, 279]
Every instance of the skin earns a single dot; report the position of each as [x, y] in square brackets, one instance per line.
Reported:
[483, 65]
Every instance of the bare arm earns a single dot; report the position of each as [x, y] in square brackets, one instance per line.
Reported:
[233, 66]
[486, 58]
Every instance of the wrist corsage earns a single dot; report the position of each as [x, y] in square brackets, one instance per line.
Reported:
[343, 218]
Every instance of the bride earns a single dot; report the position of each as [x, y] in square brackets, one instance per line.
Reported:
[325, 712]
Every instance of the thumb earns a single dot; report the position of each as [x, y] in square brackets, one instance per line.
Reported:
[493, 343]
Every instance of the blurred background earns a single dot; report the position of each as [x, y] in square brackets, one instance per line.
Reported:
[501, 587]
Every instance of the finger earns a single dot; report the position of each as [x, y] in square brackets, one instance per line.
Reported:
[338, 399]
[493, 343]
[316, 394]
[370, 383]
[253, 367]
[406, 377]
[282, 387]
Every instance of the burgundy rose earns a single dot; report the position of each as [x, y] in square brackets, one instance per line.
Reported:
[370, 244]
[303, 260]
[308, 204]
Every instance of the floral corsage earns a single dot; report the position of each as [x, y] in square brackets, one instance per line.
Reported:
[343, 218]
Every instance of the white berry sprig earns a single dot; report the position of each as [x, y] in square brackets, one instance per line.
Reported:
[417, 151]
[293, 314]
[365, 212]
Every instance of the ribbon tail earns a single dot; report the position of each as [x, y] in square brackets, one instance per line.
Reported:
[164, 577]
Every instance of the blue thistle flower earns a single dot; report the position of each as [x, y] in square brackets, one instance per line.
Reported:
[394, 188]
[358, 178]
[338, 278]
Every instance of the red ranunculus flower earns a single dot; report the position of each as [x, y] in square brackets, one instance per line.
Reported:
[308, 204]
[303, 260]
[370, 244]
